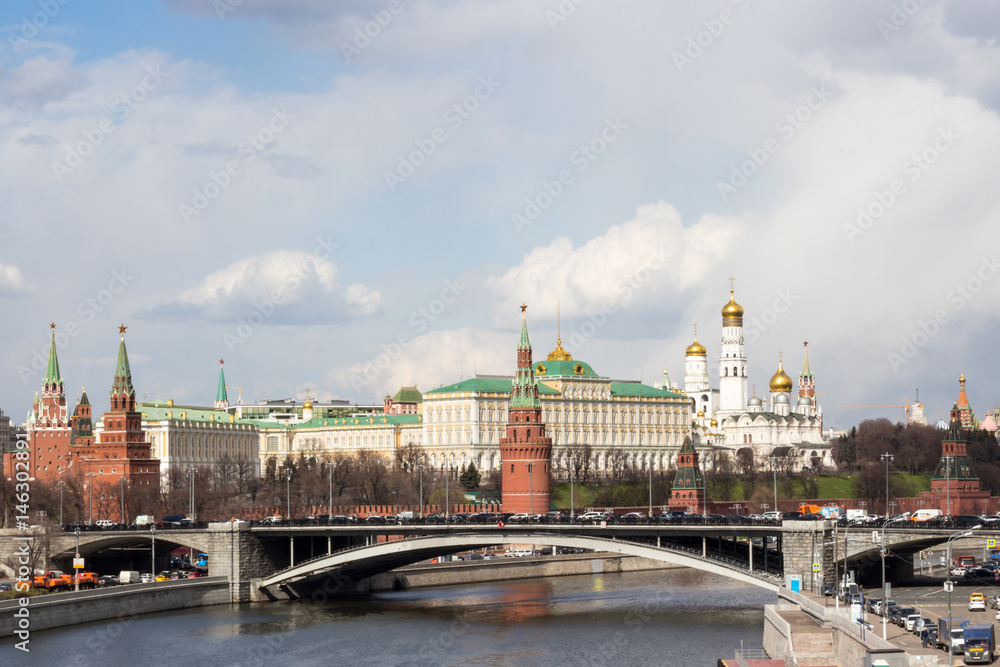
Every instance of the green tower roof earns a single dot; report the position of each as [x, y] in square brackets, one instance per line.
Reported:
[220, 394]
[52, 374]
[123, 374]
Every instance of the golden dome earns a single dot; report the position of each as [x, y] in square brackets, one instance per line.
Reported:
[559, 354]
[714, 423]
[307, 405]
[780, 380]
[701, 413]
[696, 349]
[732, 312]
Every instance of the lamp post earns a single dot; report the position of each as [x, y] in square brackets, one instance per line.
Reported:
[885, 596]
[288, 493]
[420, 507]
[152, 549]
[90, 502]
[191, 477]
[531, 488]
[888, 458]
[61, 486]
[121, 496]
[949, 585]
[329, 511]
[650, 461]
[76, 570]
[774, 483]
[572, 502]
[447, 494]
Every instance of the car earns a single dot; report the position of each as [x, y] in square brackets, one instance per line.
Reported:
[633, 518]
[5, 587]
[194, 574]
[977, 604]
[162, 576]
[871, 604]
[591, 517]
[520, 517]
[145, 578]
[457, 519]
[106, 580]
[105, 524]
[898, 615]
[434, 518]
[958, 571]
[791, 516]
[272, 520]
[827, 590]
[978, 573]
[910, 621]
[375, 520]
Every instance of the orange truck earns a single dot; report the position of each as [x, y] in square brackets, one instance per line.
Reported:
[87, 579]
[52, 580]
[810, 509]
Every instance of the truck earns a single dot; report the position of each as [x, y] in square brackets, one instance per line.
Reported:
[144, 520]
[964, 561]
[980, 642]
[128, 577]
[809, 509]
[856, 515]
[52, 580]
[830, 512]
[955, 630]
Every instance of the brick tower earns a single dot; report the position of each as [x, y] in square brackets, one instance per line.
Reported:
[122, 452]
[48, 425]
[689, 484]
[955, 486]
[525, 452]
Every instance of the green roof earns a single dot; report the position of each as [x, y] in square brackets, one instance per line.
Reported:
[357, 420]
[569, 367]
[483, 385]
[161, 411]
[639, 390]
[52, 374]
[123, 374]
[408, 395]
[220, 393]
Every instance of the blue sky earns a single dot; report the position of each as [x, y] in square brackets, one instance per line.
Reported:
[246, 192]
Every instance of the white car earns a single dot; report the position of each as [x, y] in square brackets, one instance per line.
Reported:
[958, 571]
[977, 604]
[911, 621]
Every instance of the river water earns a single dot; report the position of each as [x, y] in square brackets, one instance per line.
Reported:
[664, 617]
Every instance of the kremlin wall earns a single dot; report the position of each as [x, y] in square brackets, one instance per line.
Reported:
[530, 427]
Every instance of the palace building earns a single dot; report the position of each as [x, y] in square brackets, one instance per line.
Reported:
[615, 422]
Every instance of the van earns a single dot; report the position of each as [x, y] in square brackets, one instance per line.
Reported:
[128, 577]
[104, 523]
[144, 520]
[925, 515]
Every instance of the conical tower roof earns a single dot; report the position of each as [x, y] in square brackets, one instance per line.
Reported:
[52, 374]
[220, 394]
[806, 371]
[524, 389]
[123, 374]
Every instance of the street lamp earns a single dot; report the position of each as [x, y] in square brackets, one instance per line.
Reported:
[885, 596]
[152, 549]
[121, 496]
[949, 585]
[61, 486]
[329, 511]
[191, 474]
[572, 501]
[531, 488]
[76, 570]
[90, 488]
[650, 461]
[420, 507]
[288, 493]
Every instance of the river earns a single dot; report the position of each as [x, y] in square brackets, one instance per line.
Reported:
[663, 617]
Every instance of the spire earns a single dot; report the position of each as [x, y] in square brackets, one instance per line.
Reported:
[806, 371]
[122, 387]
[525, 344]
[559, 354]
[221, 398]
[52, 374]
[665, 379]
[524, 389]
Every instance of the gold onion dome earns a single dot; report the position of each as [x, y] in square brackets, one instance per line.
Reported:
[732, 312]
[780, 380]
[701, 413]
[714, 423]
[696, 349]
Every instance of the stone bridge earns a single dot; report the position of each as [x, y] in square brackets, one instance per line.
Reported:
[811, 550]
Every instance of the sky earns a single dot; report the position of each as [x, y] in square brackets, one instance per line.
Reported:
[354, 196]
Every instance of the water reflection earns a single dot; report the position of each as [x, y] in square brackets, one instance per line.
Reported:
[660, 617]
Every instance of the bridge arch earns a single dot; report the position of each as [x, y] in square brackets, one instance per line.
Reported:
[360, 562]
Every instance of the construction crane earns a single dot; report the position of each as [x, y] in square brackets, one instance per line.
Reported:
[905, 408]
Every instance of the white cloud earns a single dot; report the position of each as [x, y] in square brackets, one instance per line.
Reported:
[652, 256]
[12, 281]
[285, 286]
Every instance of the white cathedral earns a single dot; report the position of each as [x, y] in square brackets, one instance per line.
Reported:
[777, 430]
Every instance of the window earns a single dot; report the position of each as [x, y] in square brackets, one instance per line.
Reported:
[512, 468]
